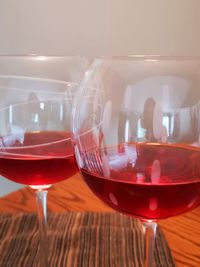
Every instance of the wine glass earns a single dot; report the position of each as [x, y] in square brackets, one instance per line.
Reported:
[36, 95]
[136, 125]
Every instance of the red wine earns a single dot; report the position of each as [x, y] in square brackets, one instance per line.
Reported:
[148, 181]
[38, 158]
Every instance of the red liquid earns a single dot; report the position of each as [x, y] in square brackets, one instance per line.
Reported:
[42, 158]
[154, 182]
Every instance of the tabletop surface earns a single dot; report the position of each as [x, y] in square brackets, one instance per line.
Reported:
[182, 232]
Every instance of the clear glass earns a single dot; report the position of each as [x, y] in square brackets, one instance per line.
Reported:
[36, 95]
[136, 125]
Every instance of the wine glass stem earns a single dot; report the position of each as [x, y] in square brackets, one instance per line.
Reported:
[41, 200]
[149, 244]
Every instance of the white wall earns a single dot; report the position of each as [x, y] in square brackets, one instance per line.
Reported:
[99, 27]
[93, 27]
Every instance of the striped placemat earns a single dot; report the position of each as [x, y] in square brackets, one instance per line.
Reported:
[78, 239]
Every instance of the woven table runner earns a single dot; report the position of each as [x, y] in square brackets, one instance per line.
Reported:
[78, 239]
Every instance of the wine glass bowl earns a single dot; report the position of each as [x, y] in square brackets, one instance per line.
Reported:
[35, 112]
[136, 125]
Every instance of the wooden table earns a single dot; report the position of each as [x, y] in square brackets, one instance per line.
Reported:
[182, 232]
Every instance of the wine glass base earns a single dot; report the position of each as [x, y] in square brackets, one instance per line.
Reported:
[40, 187]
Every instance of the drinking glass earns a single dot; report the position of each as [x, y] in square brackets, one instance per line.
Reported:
[136, 125]
[36, 95]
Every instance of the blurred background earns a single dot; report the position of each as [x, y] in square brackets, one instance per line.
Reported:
[93, 27]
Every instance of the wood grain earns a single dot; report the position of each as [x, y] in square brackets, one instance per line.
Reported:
[182, 232]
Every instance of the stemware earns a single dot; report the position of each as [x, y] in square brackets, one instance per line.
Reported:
[137, 137]
[36, 95]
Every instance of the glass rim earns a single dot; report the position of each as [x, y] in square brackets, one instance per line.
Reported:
[40, 56]
[148, 57]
